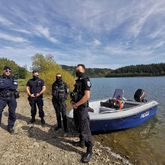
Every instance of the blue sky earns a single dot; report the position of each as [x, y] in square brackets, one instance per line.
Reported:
[97, 33]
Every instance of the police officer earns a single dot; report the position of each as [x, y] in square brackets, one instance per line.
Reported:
[8, 86]
[35, 88]
[60, 92]
[79, 102]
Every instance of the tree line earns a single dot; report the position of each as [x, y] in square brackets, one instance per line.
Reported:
[45, 64]
[139, 70]
[17, 71]
[91, 72]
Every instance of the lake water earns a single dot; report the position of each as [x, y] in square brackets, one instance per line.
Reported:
[145, 143]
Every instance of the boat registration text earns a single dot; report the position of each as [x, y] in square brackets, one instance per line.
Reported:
[144, 114]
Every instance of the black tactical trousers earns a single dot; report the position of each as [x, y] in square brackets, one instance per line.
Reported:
[11, 102]
[39, 102]
[60, 107]
[81, 119]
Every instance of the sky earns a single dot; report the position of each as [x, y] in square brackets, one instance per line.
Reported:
[97, 33]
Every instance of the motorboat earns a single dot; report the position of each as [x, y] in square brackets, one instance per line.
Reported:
[118, 113]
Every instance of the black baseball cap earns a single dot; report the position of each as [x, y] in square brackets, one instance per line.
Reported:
[35, 71]
[6, 68]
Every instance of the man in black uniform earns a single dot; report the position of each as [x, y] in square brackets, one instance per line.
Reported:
[60, 92]
[8, 86]
[79, 102]
[35, 88]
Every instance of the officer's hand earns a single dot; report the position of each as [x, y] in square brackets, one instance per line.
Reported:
[38, 94]
[32, 95]
[73, 104]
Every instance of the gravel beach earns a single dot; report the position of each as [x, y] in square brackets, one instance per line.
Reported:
[37, 144]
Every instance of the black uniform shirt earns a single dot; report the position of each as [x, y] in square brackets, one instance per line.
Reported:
[86, 84]
[35, 85]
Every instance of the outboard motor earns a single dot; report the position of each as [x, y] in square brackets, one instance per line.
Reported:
[139, 95]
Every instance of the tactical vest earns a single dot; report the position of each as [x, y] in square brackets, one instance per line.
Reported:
[78, 92]
[58, 92]
[14, 92]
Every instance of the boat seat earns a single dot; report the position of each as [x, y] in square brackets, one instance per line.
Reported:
[117, 101]
[118, 94]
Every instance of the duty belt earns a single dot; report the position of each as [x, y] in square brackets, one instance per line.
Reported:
[9, 94]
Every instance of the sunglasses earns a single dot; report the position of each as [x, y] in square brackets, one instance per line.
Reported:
[8, 71]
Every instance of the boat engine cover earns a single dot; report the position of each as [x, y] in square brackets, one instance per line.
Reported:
[139, 95]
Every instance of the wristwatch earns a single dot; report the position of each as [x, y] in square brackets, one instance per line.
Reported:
[75, 105]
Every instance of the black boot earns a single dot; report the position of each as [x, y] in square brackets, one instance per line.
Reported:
[79, 144]
[56, 128]
[65, 124]
[66, 130]
[32, 120]
[10, 130]
[42, 121]
[86, 157]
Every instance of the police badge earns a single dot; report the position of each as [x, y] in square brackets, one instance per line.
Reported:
[89, 83]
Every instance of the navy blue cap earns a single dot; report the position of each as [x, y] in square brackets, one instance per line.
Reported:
[35, 71]
[6, 68]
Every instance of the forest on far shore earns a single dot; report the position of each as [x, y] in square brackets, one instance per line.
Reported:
[127, 71]
[41, 63]
[139, 71]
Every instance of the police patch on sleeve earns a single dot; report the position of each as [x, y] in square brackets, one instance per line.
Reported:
[15, 82]
[67, 90]
[89, 83]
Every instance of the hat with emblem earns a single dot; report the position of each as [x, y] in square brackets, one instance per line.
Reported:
[6, 68]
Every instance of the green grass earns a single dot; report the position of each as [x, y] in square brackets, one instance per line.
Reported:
[22, 82]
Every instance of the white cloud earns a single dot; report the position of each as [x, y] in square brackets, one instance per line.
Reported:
[23, 31]
[45, 32]
[97, 42]
[12, 38]
[159, 44]
[5, 21]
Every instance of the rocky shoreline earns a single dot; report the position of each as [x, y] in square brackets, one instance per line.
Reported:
[37, 144]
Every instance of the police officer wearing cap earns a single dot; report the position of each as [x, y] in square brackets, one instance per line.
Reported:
[60, 92]
[79, 102]
[8, 86]
[35, 88]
